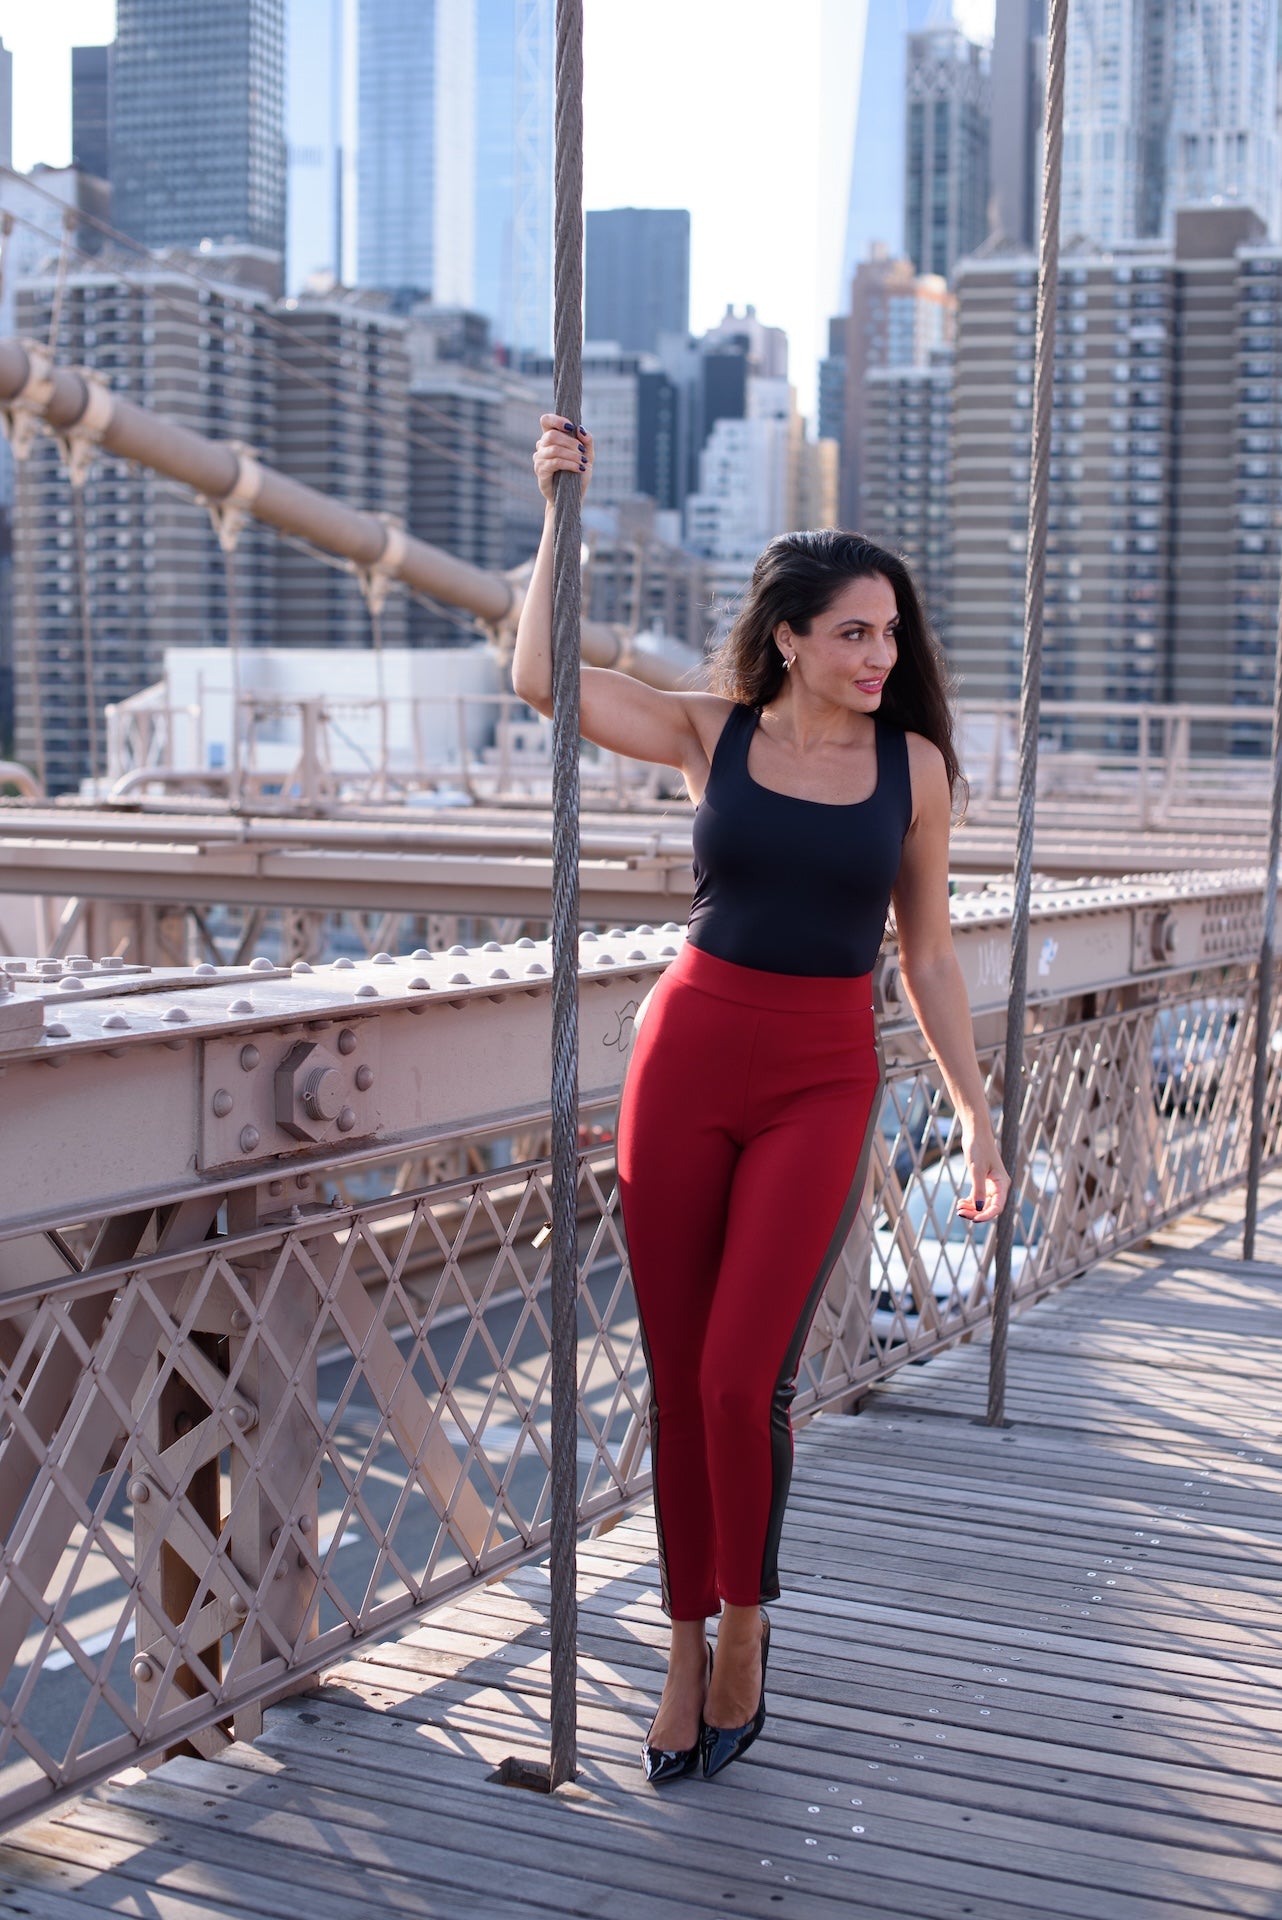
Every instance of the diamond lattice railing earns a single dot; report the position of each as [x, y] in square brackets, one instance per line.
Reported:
[239, 1442]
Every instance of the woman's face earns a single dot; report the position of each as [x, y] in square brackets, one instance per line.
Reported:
[851, 646]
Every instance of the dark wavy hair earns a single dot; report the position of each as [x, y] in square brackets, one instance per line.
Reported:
[798, 577]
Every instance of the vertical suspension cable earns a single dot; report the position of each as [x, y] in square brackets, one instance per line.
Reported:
[374, 599]
[86, 626]
[22, 516]
[60, 284]
[233, 654]
[1264, 983]
[566, 645]
[1030, 697]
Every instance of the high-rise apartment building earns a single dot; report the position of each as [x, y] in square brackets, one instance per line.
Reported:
[897, 319]
[946, 151]
[91, 110]
[1161, 469]
[1015, 142]
[198, 133]
[456, 476]
[907, 491]
[454, 167]
[157, 576]
[342, 411]
[1257, 508]
[637, 276]
[1167, 105]
[832, 383]
[757, 478]
[315, 57]
[637, 579]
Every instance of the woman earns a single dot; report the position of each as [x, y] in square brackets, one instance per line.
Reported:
[823, 772]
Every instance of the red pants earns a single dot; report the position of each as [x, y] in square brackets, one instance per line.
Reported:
[743, 1149]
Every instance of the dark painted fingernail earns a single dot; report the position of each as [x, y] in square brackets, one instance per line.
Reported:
[568, 426]
[580, 429]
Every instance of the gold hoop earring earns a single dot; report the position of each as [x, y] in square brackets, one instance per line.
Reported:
[788, 659]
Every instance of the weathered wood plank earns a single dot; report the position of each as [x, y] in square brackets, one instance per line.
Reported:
[1016, 1746]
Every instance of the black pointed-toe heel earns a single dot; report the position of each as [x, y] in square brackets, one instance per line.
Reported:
[721, 1745]
[662, 1764]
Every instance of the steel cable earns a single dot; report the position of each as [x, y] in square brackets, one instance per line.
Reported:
[1013, 1085]
[567, 351]
[1264, 985]
[86, 626]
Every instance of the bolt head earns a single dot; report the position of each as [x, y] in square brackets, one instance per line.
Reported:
[222, 1103]
[249, 1058]
[139, 1490]
[346, 1120]
[249, 1139]
[364, 1079]
[239, 1319]
[322, 1093]
[346, 1041]
[142, 1669]
[239, 1417]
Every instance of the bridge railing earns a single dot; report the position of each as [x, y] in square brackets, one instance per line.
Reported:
[252, 1419]
[1150, 761]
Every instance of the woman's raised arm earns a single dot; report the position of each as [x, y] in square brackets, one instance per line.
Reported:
[615, 710]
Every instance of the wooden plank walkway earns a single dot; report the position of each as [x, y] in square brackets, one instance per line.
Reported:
[1033, 1672]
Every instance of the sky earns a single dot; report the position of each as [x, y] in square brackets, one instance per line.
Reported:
[684, 111]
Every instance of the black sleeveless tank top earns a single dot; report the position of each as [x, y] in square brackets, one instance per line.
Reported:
[789, 885]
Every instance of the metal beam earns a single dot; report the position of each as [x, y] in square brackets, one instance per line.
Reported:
[66, 400]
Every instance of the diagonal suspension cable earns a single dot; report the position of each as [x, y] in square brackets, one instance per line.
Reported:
[263, 318]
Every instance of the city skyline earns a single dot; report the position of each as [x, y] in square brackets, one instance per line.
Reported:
[748, 246]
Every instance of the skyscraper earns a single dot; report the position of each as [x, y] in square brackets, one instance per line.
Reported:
[342, 414]
[905, 498]
[1019, 59]
[198, 144]
[875, 205]
[6, 106]
[91, 110]
[946, 152]
[157, 576]
[396, 145]
[1167, 105]
[1223, 138]
[455, 157]
[897, 319]
[1162, 547]
[314, 63]
[637, 275]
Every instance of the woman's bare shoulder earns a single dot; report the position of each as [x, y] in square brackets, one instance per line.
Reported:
[932, 798]
[708, 715]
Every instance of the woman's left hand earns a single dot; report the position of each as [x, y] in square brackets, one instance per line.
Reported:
[990, 1182]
